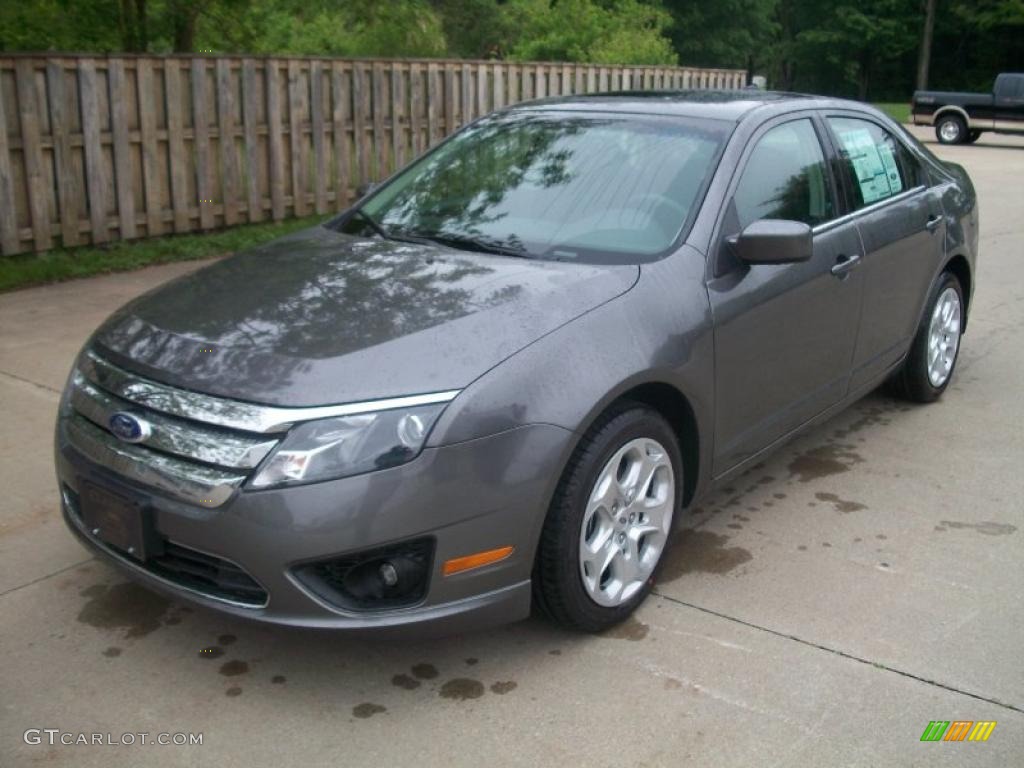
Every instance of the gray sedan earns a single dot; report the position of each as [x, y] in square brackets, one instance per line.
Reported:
[500, 378]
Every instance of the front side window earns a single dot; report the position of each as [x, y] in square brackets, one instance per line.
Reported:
[785, 178]
[594, 187]
[878, 165]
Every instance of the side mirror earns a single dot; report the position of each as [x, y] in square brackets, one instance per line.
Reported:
[773, 241]
[364, 189]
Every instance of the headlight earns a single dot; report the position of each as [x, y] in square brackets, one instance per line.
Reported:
[348, 445]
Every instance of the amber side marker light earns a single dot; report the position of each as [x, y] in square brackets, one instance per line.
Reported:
[480, 559]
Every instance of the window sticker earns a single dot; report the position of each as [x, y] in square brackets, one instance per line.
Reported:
[875, 166]
[891, 170]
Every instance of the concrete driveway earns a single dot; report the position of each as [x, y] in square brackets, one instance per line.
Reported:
[822, 611]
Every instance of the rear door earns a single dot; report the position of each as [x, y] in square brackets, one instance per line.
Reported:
[901, 226]
[784, 333]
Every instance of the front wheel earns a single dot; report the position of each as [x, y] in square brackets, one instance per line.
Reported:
[609, 521]
[929, 365]
[951, 129]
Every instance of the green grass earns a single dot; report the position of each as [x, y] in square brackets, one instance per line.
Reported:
[66, 264]
[899, 111]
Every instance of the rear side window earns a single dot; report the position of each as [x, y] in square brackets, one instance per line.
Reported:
[1010, 87]
[785, 178]
[878, 165]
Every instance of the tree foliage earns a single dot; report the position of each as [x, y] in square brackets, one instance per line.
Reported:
[861, 48]
[612, 32]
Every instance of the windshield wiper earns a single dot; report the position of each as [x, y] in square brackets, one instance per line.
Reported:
[471, 243]
[372, 222]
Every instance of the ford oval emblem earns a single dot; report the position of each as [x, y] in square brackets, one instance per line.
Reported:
[129, 427]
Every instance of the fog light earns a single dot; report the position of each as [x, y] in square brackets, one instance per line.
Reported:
[388, 574]
[393, 576]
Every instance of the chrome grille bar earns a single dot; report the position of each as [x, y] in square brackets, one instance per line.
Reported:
[189, 440]
[195, 483]
[233, 414]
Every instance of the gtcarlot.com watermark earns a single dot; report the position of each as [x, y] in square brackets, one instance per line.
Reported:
[56, 737]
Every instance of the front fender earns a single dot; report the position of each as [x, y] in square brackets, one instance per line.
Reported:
[658, 332]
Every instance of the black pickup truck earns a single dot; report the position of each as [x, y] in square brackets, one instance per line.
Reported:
[960, 118]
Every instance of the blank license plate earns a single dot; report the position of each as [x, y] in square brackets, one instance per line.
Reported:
[117, 520]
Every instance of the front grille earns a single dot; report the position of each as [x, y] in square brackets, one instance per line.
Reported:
[185, 567]
[178, 453]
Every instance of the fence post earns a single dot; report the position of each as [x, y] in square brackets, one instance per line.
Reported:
[250, 112]
[67, 179]
[9, 239]
[201, 144]
[38, 189]
[275, 140]
[339, 116]
[93, 151]
[316, 116]
[176, 146]
[150, 161]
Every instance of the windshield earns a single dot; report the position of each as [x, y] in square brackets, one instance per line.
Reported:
[596, 188]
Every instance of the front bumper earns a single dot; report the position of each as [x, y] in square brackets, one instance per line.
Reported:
[478, 495]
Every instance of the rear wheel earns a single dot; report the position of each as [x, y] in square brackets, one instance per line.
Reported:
[951, 129]
[609, 522]
[929, 365]
[973, 136]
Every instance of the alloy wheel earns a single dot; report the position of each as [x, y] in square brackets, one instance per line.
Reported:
[943, 337]
[627, 520]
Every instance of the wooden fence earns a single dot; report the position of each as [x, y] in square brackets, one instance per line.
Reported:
[94, 149]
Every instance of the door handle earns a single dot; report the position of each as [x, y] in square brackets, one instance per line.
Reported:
[844, 264]
[933, 223]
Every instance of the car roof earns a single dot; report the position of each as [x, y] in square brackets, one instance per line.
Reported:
[730, 105]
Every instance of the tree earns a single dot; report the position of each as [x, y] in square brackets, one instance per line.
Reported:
[134, 26]
[60, 25]
[608, 32]
[925, 53]
[723, 33]
[474, 29]
[328, 27]
[839, 49]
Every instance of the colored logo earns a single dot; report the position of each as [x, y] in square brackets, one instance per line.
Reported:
[958, 730]
[128, 427]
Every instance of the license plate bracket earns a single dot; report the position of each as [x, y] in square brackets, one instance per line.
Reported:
[119, 521]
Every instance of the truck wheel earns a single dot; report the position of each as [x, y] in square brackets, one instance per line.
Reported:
[973, 136]
[951, 129]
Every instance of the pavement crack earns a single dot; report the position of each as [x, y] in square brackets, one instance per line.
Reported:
[23, 380]
[843, 654]
[47, 576]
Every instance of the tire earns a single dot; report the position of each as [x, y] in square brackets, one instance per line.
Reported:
[972, 136]
[951, 129]
[914, 381]
[560, 586]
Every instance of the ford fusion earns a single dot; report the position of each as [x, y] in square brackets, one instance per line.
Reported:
[500, 378]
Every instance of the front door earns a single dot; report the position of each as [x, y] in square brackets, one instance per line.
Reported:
[784, 334]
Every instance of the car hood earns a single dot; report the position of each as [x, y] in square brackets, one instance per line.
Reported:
[321, 317]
